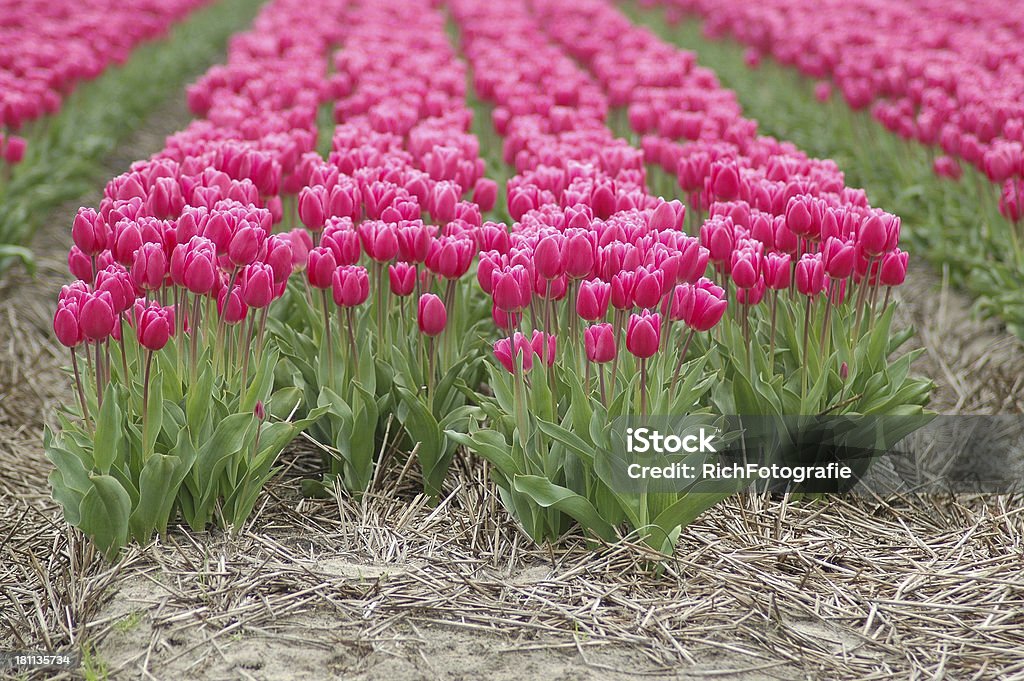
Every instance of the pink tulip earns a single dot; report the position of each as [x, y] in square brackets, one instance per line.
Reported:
[592, 300]
[810, 275]
[350, 285]
[599, 342]
[154, 326]
[643, 334]
[431, 316]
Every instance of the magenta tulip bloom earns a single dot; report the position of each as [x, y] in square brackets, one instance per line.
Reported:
[777, 271]
[89, 232]
[547, 256]
[512, 351]
[149, 267]
[65, 322]
[544, 346]
[431, 316]
[810, 275]
[485, 194]
[402, 278]
[512, 288]
[312, 211]
[599, 342]
[592, 300]
[839, 257]
[643, 334]
[257, 284]
[154, 325]
[350, 285]
[97, 315]
[320, 267]
[894, 268]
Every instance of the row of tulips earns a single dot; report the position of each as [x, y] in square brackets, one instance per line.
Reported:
[179, 413]
[48, 48]
[240, 286]
[629, 313]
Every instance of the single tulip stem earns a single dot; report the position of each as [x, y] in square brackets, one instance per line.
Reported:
[145, 402]
[99, 375]
[771, 342]
[823, 341]
[194, 336]
[600, 378]
[245, 347]
[682, 358]
[81, 391]
[431, 356]
[803, 346]
[643, 389]
[352, 341]
[327, 338]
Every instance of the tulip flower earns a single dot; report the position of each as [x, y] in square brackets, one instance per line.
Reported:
[402, 278]
[544, 347]
[312, 210]
[149, 267]
[485, 194]
[777, 273]
[90, 232]
[893, 270]
[592, 300]
[512, 288]
[257, 284]
[839, 257]
[810, 275]
[548, 256]
[431, 316]
[154, 326]
[320, 267]
[350, 286]
[643, 335]
[599, 342]
[65, 322]
[513, 352]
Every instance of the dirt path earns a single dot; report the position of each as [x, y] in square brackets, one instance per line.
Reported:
[391, 588]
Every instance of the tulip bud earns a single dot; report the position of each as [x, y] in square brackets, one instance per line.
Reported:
[592, 300]
[89, 232]
[350, 286]
[97, 315]
[431, 315]
[893, 271]
[777, 273]
[544, 346]
[839, 257]
[599, 341]
[745, 268]
[65, 322]
[547, 256]
[402, 278]
[485, 194]
[257, 284]
[149, 267]
[647, 290]
[643, 334]
[810, 275]
[312, 211]
[14, 150]
[154, 325]
[512, 288]
[320, 267]
[233, 309]
[245, 244]
[512, 351]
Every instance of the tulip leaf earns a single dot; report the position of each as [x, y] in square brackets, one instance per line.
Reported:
[104, 514]
[109, 431]
[546, 494]
[154, 415]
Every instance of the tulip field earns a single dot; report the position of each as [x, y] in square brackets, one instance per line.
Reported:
[330, 329]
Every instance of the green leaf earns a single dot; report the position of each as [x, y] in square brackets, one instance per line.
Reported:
[104, 514]
[22, 254]
[492, 446]
[426, 433]
[108, 431]
[158, 489]
[154, 415]
[546, 494]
